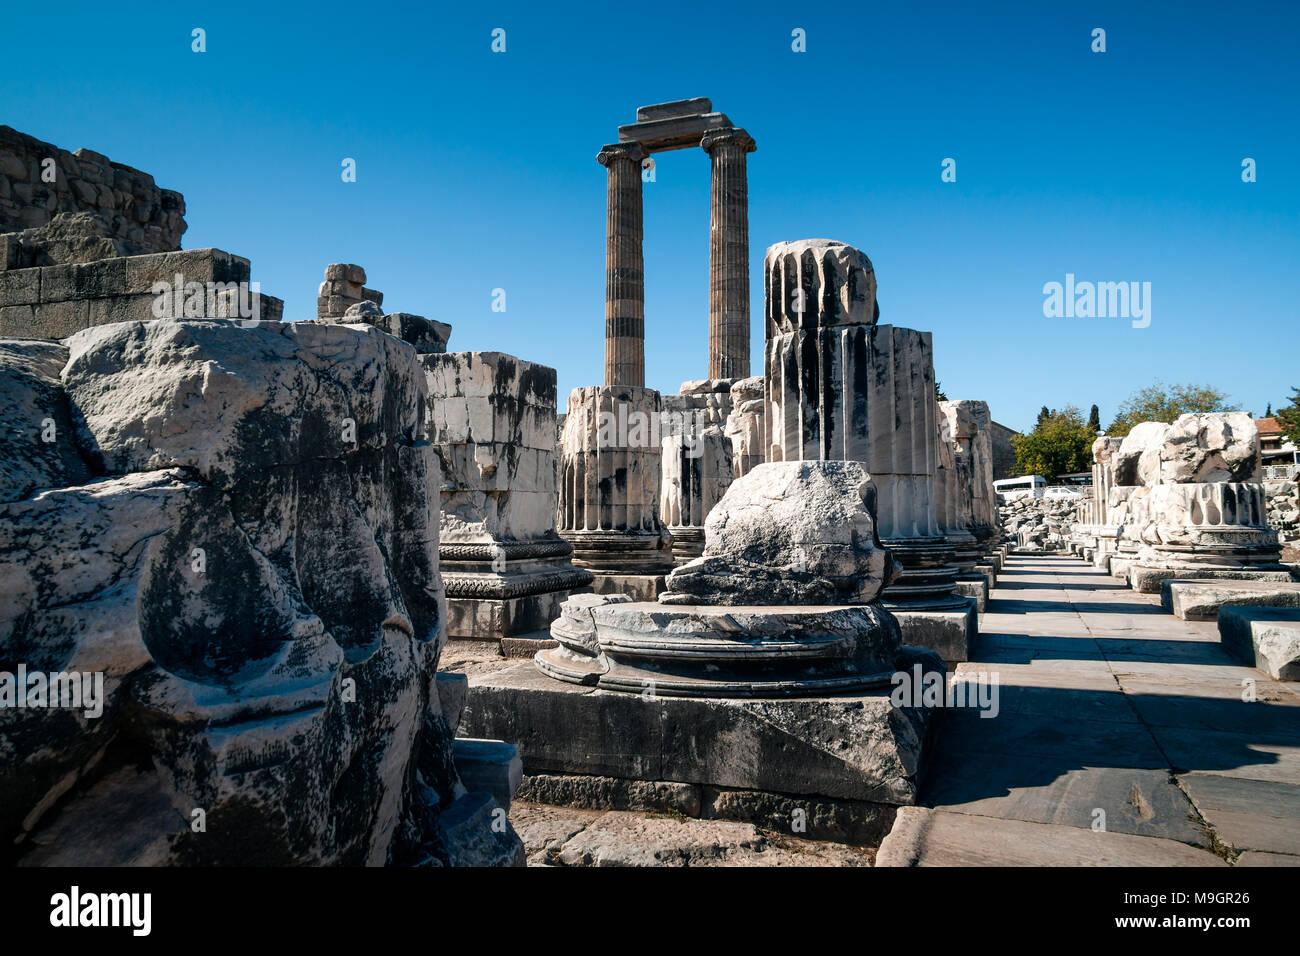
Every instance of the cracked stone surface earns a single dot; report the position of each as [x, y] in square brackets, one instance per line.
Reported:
[565, 836]
[1186, 757]
[239, 532]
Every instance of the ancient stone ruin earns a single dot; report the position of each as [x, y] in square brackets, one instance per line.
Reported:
[323, 592]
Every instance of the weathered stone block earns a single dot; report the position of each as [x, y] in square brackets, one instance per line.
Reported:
[1192, 600]
[854, 746]
[1263, 637]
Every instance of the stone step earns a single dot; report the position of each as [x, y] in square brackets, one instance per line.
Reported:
[1200, 600]
[1263, 637]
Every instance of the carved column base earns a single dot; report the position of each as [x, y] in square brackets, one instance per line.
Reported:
[929, 575]
[504, 589]
[688, 543]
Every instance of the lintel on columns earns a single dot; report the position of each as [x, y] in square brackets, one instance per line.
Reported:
[678, 132]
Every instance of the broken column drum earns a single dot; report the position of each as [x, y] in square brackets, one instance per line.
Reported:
[839, 386]
[697, 461]
[610, 493]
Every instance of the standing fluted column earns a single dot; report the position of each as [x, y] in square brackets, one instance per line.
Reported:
[728, 253]
[624, 267]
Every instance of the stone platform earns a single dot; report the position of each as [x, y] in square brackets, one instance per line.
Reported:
[639, 587]
[853, 746]
[975, 588]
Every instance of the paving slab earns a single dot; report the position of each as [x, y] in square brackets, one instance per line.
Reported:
[1248, 814]
[1106, 701]
[926, 837]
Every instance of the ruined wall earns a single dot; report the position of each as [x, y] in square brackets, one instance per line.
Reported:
[52, 302]
[1004, 453]
[139, 216]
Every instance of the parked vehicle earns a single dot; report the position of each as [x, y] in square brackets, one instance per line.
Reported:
[1010, 489]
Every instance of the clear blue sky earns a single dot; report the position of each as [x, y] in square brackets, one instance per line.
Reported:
[477, 170]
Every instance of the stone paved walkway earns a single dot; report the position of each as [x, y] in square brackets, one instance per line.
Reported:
[1108, 704]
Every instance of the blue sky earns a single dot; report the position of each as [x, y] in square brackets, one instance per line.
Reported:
[477, 170]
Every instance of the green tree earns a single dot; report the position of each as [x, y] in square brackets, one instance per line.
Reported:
[938, 391]
[1043, 415]
[1060, 443]
[1161, 403]
[1094, 419]
[1289, 418]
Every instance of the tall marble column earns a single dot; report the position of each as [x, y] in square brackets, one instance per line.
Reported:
[841, 387]
[624, 266]
[728, 252]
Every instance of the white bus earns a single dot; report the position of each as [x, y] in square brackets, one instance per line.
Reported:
[1009, 489]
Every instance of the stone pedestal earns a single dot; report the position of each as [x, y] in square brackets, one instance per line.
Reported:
[851, 746]
[839, 386]
[491, 422]
[609, 493]
[708, 686]
[1204, 530]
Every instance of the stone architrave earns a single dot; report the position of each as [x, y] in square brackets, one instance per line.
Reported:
[841, 387]
[505, 568]
[609, 492]
[697, 461]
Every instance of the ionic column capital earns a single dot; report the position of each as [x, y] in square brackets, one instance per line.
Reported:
[727, 136]
[632, 152]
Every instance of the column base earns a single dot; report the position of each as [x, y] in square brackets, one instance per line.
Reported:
[688, 543]
[928, 572]
[499, 589]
